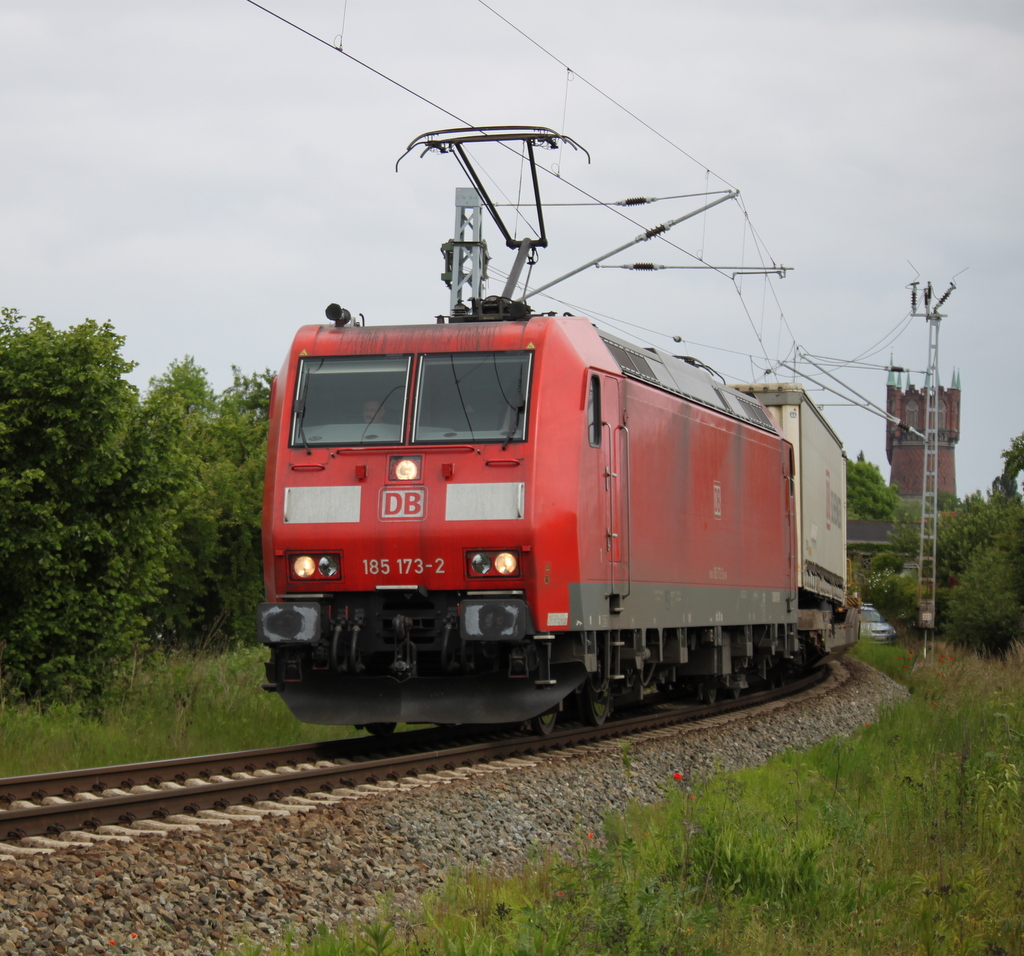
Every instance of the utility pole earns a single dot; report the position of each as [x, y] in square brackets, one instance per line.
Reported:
[930, 485]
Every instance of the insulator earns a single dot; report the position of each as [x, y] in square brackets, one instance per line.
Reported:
[643, 266]
[635, 201]
[656, 231]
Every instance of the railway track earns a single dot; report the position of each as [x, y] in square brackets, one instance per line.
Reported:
[170, 793]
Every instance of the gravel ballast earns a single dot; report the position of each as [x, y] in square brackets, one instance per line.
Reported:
[198, 890]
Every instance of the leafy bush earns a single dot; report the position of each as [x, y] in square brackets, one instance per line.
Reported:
[125, 521]
[984, 611]
[89, 480]
[889, 590]
[868, 497]
[214, 572]
[163, 705]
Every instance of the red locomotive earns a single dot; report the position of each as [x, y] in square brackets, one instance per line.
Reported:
[477, 520]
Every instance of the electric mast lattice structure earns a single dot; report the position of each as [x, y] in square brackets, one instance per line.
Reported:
[466, 255]
[930, 486]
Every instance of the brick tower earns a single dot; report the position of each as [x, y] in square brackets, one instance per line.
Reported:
[905, 451]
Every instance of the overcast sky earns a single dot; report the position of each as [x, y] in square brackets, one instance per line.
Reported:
[208, 179]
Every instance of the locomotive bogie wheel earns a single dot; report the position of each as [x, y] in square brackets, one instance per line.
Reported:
[543, 724]
[595, 704]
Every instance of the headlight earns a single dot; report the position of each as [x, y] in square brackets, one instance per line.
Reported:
[506, 563]
[304, 566]
[328, 565]
[405, 469]
[315, 566]
[480, 563]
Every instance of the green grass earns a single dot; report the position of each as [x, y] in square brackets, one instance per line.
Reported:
[167, 706]
[906, 838]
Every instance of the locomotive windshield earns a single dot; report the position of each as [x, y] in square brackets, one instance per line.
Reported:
[472, 396]
[350, 400]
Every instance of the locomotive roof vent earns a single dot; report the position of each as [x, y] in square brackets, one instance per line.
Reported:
[686, 376]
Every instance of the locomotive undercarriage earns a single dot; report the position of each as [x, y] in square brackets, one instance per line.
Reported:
[404, 656]
[626, 665]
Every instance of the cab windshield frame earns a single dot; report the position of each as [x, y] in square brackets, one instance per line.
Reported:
[350, 400]
[472, 397]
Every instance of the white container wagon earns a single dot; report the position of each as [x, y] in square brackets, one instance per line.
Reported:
[820, 495]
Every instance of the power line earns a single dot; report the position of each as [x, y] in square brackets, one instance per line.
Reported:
[601, 92]
[759, 246]
[366, 66]
[467, 123]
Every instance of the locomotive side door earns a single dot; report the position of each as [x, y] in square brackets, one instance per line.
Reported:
[615, 487]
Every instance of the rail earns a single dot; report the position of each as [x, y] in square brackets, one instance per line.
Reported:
[47, 804]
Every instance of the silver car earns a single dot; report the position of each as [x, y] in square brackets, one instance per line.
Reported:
[875, 627]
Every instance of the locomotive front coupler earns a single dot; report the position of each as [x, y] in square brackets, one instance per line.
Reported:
[344, 649]
[404, 664]
[453, 659]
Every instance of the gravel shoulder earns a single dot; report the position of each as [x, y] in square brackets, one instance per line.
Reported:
[192, 892]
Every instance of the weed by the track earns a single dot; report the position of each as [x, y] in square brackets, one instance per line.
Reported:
[907, 837]
[170, 705]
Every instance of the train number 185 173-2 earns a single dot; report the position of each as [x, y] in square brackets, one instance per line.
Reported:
[402, 566]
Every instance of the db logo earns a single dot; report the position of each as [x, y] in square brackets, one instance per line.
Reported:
[403, 503]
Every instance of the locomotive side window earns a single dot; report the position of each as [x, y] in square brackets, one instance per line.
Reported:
[594, 412]
[472, 396]
[350, 400]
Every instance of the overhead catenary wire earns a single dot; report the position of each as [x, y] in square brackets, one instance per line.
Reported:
[656, 231]
[632, 326]
[474, 126]
[759, 245]
[601, 92]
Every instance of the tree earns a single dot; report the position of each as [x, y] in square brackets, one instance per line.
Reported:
[88, 483]
[868, 497]
[984, 611]
[1014, 456]
[981, 556]
[980, 551]
[890, 590]
[978, 523]
[214, 571]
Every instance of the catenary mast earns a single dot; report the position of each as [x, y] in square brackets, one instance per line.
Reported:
[930, 485]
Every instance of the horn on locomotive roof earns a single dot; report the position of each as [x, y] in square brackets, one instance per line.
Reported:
[530, 137]
[339, 316]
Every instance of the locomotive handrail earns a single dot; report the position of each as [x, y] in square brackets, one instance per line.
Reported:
[627, 553]
[609, 476]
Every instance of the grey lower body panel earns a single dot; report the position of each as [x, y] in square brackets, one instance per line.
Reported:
[665, 605]
[323, 697]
